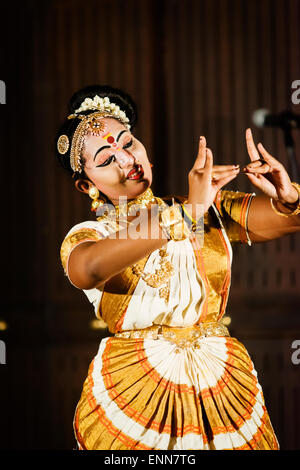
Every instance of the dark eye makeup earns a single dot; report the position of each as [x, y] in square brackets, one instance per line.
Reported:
[107, 161]
[129, 144]
[113, 157]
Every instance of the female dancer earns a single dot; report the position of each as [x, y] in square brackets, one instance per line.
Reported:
[158, 272]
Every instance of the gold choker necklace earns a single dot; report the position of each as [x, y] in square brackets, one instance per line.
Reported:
[141, 202]
[126, 208]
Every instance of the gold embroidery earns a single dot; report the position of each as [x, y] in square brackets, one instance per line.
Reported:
[160, 277]
[183, 337]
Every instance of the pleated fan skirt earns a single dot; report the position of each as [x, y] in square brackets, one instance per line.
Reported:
[146, 394]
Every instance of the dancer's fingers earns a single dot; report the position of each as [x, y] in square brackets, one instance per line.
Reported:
[201, 156]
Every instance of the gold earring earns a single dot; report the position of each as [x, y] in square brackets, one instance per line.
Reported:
[94, 195]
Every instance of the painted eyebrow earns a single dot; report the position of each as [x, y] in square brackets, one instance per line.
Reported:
[108, 146]
[122, 132]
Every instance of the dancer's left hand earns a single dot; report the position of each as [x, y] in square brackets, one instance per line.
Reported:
[268, 174]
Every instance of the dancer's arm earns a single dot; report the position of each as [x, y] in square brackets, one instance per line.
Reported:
[264, 224]
[93, 263]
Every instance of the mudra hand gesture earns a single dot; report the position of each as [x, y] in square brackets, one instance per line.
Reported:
[206, 179]
[268, 174]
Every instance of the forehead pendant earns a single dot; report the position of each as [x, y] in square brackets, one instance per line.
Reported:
[95, 127]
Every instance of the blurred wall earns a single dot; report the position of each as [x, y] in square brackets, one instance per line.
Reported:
[194, 67]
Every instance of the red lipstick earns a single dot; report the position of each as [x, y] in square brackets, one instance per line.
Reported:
[136, 173]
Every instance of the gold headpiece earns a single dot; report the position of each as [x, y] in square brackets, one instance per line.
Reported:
[89, 124]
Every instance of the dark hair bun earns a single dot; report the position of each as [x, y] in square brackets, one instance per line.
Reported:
[115, 95]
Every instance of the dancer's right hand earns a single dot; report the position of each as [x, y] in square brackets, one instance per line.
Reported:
[206, 179]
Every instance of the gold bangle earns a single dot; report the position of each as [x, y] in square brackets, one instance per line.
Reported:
[295, 211]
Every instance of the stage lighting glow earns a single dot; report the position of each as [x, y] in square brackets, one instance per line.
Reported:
[3, 325]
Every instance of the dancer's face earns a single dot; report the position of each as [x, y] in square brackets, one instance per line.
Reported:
[116, 162]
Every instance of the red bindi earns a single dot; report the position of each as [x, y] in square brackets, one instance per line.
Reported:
[110, 139]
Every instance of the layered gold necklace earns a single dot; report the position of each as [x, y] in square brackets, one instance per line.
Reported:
[160, 278]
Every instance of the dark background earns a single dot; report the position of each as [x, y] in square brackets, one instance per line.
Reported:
[194, 67]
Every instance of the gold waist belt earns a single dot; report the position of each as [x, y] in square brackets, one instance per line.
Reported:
[186, 336]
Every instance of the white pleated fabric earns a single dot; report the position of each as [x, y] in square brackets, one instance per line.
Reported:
[186, 297]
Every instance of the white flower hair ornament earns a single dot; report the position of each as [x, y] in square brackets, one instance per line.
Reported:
[103, 105]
